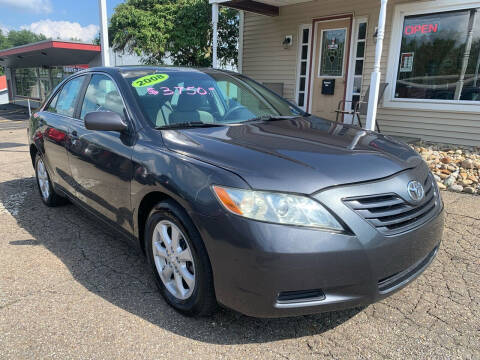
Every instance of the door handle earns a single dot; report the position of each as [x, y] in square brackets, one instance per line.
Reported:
[73, 137]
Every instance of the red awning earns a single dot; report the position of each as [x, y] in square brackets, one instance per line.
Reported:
[49, 53]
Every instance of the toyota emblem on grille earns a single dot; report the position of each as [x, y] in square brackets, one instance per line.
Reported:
[415, 190]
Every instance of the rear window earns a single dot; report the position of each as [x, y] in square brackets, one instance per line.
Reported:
[67, 98]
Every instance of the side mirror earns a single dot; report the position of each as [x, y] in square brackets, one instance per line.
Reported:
[105, 120]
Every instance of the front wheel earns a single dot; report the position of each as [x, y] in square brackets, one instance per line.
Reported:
[179, 260]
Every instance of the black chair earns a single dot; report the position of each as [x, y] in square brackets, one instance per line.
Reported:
[361, 107]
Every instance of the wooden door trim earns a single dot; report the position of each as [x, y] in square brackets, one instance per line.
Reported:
[347, 43]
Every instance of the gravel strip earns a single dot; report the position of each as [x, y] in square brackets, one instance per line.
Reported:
[455, 169]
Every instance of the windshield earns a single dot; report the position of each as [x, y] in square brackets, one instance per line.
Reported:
[175, 97]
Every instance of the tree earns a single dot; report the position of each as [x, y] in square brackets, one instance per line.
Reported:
[96, 40]
[3, 41]
[3, 45]
[22, 37]
[180, 30]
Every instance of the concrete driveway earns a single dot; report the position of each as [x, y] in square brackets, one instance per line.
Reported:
[71, 290]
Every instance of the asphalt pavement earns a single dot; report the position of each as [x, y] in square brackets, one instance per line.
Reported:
[70, 289]
[13, 117]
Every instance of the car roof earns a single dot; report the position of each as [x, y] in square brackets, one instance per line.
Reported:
[123, 70]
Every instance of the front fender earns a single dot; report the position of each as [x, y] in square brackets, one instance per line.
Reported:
[186, 180]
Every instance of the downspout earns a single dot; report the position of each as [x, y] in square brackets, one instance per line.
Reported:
[215, 34]
[13, 83]
[50, 79]
[376, 74]
[241, 21]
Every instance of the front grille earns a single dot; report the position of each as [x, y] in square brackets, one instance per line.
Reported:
[391, 214]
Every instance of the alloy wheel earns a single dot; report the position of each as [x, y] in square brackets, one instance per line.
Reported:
[173, 259]
[43, 181]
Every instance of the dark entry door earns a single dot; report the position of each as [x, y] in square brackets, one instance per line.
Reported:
[100, 161]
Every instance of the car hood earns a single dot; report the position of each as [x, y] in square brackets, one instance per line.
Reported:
[301, 155]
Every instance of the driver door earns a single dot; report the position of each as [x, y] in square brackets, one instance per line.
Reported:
[100, 161]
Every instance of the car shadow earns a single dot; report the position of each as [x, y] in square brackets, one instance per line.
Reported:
[7, 145]
[117, 272]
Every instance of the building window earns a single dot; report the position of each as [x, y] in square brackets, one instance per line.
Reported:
[359, 58]
[440, 57]
[37, 83]
[26, 82]
[44, 82]
[332, 52]
[303, 65]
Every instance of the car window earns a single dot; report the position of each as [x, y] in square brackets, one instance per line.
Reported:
[65, 104]
[176, 95]
[102, 95]
[243, 97]
[52, 104]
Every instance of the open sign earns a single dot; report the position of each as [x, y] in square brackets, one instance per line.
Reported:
[421, 28]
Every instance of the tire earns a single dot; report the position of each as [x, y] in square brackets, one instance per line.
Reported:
[45, 188]
[191, 300]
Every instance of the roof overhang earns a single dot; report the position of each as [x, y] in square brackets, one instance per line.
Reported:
[49, 53]
[263, 7]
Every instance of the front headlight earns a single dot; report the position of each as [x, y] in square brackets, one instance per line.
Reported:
[276, 208]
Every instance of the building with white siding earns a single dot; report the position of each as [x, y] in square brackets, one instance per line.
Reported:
[321, 52]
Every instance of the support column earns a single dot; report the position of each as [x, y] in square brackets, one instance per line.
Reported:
[376, 74]
[102, 6]
[215, 34]
[10, 73]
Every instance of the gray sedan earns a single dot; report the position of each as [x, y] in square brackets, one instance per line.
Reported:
[235, 195]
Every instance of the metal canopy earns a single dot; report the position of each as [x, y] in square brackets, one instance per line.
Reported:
[49, 53]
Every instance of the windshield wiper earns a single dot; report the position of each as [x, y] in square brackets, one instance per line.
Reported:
[186, 125]
[272, 118]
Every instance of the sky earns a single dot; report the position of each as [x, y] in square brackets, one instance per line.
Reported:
[64, 19]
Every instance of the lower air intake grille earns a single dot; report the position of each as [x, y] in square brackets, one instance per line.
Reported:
[300, 296]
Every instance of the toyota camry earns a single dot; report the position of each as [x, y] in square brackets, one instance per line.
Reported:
[234, 194]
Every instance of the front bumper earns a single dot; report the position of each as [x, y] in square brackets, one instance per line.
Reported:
[254, 262]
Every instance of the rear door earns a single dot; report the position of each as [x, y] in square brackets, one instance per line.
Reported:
[57, 119]
[100, 161]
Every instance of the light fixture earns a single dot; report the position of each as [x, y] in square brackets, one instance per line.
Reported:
[287, 41]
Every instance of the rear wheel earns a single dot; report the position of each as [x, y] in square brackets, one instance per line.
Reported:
[179, 261]
[47, 193]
